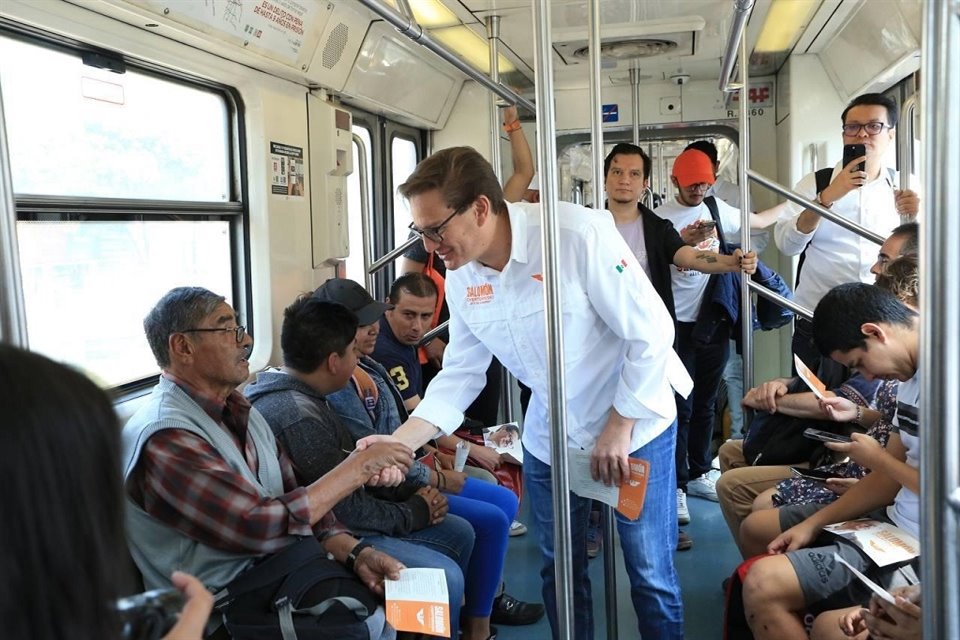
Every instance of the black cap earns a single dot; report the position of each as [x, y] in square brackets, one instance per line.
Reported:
[354, 297]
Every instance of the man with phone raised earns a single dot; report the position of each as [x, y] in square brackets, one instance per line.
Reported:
[860, 189]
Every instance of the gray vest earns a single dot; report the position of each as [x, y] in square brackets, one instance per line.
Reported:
[159, 549]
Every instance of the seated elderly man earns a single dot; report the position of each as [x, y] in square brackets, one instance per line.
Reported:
[208, 489]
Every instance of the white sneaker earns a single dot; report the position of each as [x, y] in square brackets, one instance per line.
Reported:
[683, 514]
[517, 528]
[705, 486]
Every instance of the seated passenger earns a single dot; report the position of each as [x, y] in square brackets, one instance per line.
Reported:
[869, 330]
[486, 506]
[319, 355]
[207, 488]
[900, 621]
[62, 509]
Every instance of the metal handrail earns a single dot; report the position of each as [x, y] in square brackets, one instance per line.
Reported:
[409, 28]
[366, 222]
[433, 333]
[793, 196]
[553, 319]
[392, 255]
[762, 291]
[13, 316]
[746, 308]
[904, 151]
[741, 13]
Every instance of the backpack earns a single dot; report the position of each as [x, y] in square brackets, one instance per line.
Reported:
[735, 625]
[296, 594]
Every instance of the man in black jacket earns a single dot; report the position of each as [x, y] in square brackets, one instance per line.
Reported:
[658, 245]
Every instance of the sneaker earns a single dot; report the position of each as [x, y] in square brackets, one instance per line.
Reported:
[683, 514]
[510, 611]
[705, 486]
[684, 542]
[715, 463]
[517, 528]
[594, 535]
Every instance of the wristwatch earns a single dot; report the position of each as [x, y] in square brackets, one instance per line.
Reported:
[819, 201]
[355, 553]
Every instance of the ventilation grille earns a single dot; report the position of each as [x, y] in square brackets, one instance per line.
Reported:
[628, 49]
[336, 43]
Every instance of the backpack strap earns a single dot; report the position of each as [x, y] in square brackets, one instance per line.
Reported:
[366, 388]
[271, 569]
[822, 178]
[711, 203]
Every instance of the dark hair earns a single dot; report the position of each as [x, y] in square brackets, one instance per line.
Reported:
[179, 309]
[61, 503]
[840, 314]
[627, 149]
[312, 330]
[901, 277]
[416, 284]
[706, 147]
[874, 99]
[911, 238]
[461, 175]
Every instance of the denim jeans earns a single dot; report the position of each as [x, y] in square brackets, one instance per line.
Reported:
[446, 546]
[648, 544]
[695, 414]
[733, 376]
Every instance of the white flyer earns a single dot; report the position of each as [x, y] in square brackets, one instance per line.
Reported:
[418, 602]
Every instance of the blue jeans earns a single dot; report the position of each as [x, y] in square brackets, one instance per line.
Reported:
[704, 362]
[446, 546]
[648, 544]
[733, 376]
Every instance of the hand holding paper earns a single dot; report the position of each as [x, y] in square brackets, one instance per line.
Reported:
[418, 602]
[809, 377]
[627, 498]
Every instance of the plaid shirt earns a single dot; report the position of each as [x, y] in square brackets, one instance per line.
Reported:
[184, 482]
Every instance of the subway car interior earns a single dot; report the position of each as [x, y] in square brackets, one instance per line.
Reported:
[256, 148]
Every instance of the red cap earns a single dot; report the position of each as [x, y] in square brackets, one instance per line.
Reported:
[693, 167]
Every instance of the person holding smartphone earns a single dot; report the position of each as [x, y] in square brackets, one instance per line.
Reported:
[860, 189]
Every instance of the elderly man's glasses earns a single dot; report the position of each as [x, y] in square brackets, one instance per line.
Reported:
[872, 128]
[434, 234]
[239, 331]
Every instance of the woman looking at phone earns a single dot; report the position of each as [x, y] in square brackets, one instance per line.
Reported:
[61, 505]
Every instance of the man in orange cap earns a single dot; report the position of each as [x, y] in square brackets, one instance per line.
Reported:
[703, 355]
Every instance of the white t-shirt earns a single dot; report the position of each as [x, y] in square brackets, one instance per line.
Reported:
[689, 285]
[729, 192]
[632, 233]
[905, 510]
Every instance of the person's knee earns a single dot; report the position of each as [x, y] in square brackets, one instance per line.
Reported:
[767, 584]
[731, 455]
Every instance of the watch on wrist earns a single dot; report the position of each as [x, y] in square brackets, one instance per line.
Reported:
[820, 201]
[351, 559]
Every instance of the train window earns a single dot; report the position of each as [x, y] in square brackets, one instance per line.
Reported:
[124, 188]
[403, 153]
[356, 265]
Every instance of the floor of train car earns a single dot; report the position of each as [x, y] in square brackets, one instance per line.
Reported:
[702, 570]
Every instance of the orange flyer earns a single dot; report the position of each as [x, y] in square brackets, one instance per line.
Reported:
[634, 489]
[418, 602]
[816, 385]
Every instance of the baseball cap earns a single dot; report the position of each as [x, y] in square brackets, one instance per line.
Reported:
[354, 297]
[693, 167]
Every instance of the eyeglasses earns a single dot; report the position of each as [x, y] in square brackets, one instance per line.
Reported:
[872, 128]
[700, 187]
[434, 234]
[240, 331]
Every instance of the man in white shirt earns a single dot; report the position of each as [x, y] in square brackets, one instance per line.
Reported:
[621, 371]
[870, 198]
[868, 330]
[703, 356]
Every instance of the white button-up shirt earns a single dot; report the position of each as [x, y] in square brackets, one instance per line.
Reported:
[835, 255]
[618, 336]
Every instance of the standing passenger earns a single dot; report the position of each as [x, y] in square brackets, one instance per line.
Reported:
[620, 367]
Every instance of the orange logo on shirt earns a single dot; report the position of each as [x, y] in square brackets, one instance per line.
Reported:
[480, 294]
[538, 277]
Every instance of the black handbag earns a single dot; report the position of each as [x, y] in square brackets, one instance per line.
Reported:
[296, 594]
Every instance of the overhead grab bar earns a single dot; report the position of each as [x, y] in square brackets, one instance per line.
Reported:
[905, 151]
[365, 219]
[741, 13]
[813, 206]
[392, 255]
[409, 28]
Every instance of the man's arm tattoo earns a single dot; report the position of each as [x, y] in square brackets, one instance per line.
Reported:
[707, 256]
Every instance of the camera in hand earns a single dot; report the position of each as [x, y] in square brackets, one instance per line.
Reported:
[149, 615]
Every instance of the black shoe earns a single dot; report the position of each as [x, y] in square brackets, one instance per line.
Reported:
[684, 542]
[512, 612]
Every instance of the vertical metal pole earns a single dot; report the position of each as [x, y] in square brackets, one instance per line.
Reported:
[547, 156]
[493, 41]
[366, 221]
[635, 103]
[746, 307]
[596, 147]
[13, 316]
[940, 317]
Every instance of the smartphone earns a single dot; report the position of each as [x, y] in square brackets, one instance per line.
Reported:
[824, 436]
[853, 151]
[812, 474]
[149, 615]
[708, 224]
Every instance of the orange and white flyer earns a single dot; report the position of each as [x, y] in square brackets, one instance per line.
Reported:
[877, 589]
[816, 385]
[418, 602]
[883, 542]
[627, 498]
